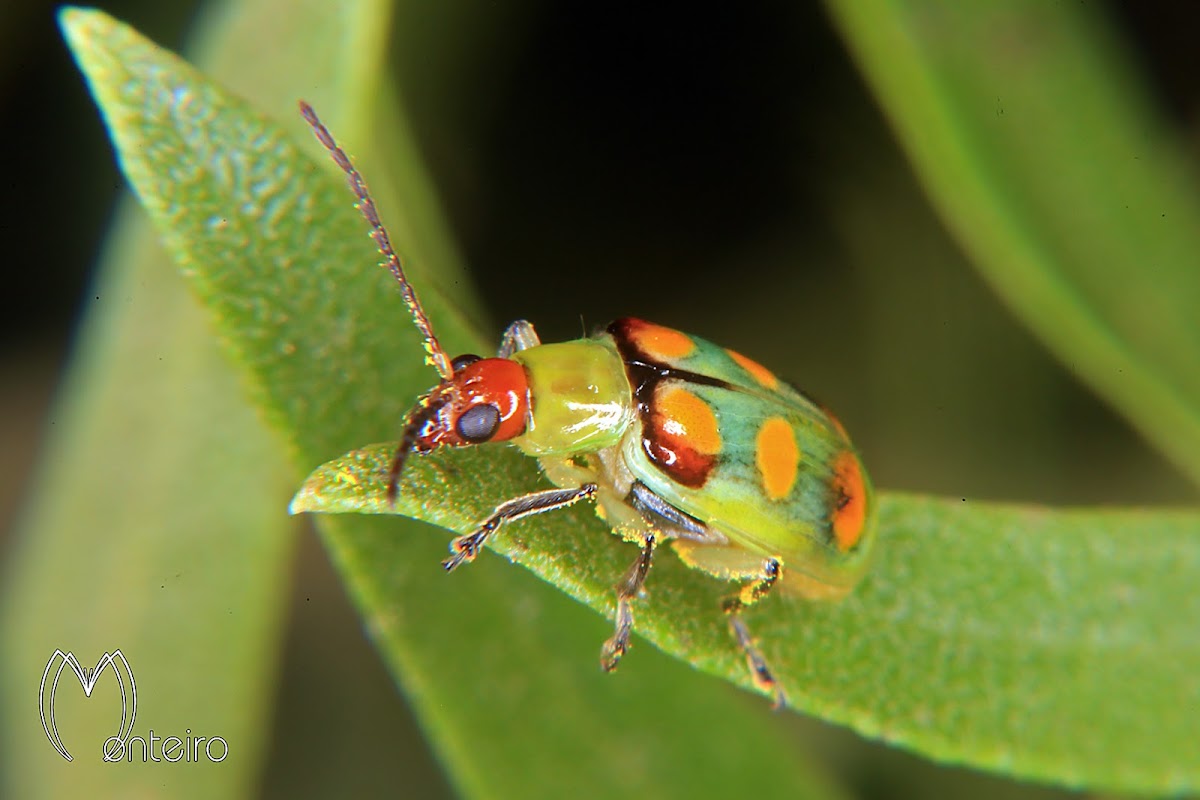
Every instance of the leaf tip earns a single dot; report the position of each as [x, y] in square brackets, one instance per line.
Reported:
[77, 22]
[304, 500]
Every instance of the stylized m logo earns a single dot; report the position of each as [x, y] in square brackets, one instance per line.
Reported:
[88, 678]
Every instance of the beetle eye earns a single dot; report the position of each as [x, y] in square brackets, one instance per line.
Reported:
[463, 361]
[478, 423]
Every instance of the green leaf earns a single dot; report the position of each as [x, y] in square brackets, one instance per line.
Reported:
[1050, 644]
[121, 548]
[500, 668]
[141, 534]
[1042, 153]
[1053, 645]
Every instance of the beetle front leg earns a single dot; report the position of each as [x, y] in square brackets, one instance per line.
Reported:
[629, 587]
[465, 548]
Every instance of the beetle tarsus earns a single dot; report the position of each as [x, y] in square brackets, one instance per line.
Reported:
[466, 548]
[760, 673]
[613, 650]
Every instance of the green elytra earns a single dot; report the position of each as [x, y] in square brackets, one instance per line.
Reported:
[674, 438]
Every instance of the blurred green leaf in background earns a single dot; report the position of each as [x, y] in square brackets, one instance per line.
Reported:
[1051, 645]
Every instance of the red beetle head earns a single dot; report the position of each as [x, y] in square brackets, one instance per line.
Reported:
[485, 400]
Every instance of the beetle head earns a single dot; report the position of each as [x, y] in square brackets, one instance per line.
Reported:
[484, 400]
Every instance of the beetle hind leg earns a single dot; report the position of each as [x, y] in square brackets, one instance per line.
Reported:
[750, 594]
[731, 563]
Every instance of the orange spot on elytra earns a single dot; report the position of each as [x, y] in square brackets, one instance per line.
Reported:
[683, 438]
[777, 456]
[850, 501]
[682, 415]
[757, 371]
[662, 343]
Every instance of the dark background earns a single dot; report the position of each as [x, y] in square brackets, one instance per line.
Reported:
[534, 157]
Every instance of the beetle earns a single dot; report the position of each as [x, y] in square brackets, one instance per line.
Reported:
[673, 437]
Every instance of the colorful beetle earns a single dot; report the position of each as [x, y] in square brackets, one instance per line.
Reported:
[673, 437]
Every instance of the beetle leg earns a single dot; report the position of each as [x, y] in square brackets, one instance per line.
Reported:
[629, 587]
[520, 335]
[661, 518]
[750, 594]
[656, 511]
[465, 548]
[732, 563]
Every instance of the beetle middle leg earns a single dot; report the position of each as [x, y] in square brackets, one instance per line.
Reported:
[519, 335]
[662, 520]
[629, 587]
[465, 548]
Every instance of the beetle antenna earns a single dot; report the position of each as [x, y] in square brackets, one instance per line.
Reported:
[366, 206]
[426, 407]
